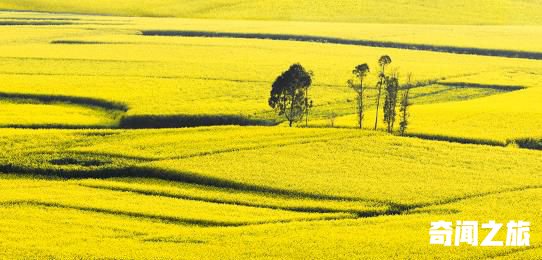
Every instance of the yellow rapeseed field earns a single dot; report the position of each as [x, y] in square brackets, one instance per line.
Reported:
[149, 135]
[394, 11]
[146, 211]
[184, 77]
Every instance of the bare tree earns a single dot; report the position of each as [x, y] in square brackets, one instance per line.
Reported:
[360, 72]
[390, 102]
[383, 62]
[308, 103]
[405, 104]
[332, 116]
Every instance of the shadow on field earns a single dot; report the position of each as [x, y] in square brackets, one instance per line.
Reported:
[293, 207]
[176, 121]
[75, 165]
[38, 18]
[72, 19]
[136, 76]
[56, 126]
[151, 217]
[106, 171]
[83, 165]
[193, 178]
[71, 168]
[51, 99]
[333, 40]
[72, 42]
[452, 139]
[160, 218]
[49, 22]
[113, 111]
[482, 86]
[34, 23]
[528, 143]
[117, 110]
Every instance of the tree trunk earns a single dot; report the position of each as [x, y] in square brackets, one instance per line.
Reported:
[361, 103]
[307, 107]
[379, 93]
[378, 105]
[291, 118]
[389, 127]
[393, 122]
[360, 113]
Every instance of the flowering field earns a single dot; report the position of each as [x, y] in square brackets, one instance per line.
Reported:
[396, 11]
[150, 136]
[372, 192]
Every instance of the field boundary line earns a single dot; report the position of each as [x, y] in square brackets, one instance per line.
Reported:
[299, 209]
[343, 41]
[167, 219]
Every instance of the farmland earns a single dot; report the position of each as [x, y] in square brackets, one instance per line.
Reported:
[164, 198]
[149, 135]
[397, 11]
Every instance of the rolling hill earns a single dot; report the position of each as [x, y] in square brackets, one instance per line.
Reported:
[123, 136]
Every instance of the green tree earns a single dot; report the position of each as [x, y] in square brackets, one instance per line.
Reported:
[360, 72]
[390, 102]
[289, 94]
[383, 62]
